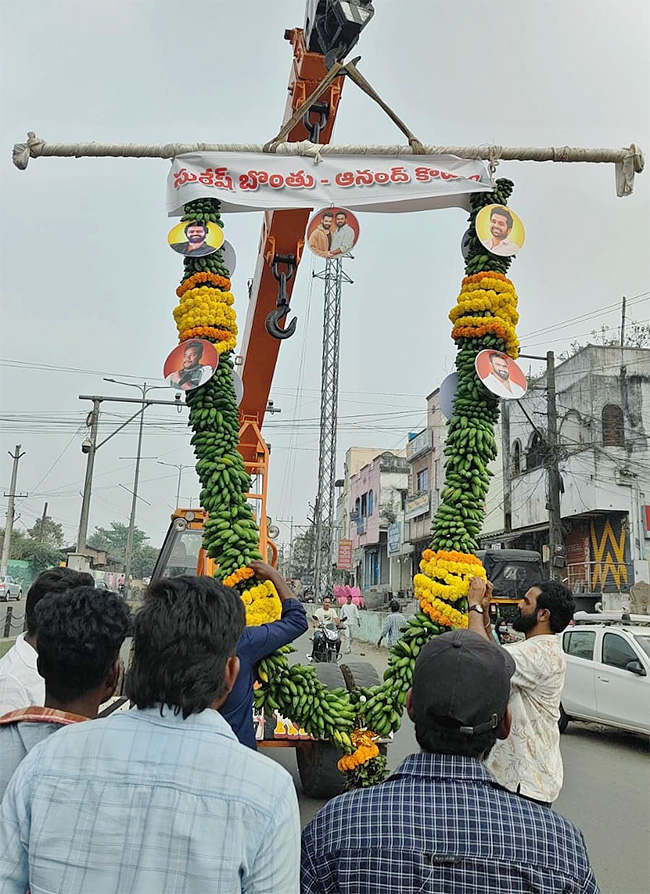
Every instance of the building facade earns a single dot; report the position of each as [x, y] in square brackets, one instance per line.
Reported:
[375, 502]
[603, 408]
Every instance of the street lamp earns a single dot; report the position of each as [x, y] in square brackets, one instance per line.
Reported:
[180, 467]
[143, 389]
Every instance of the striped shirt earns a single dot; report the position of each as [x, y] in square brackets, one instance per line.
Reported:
[442, 823]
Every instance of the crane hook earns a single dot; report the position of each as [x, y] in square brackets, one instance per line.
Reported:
[282, 309]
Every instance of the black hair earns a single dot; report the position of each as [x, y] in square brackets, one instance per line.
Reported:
[437, 738]
[344, 213]
[558, 600]
[328, 214]
[504, 213]
[494, 354]
[194, 344]
[183, 635]
[394, 605]
[196, 223]
[54, 580]
[80, 632]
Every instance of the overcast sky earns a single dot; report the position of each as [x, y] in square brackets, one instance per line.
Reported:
[76, 301]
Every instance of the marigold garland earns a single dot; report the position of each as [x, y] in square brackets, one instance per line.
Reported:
[262, 603]
[480, 293]
[243, 573]
[221, 282]
[442, 614]
[365, 750]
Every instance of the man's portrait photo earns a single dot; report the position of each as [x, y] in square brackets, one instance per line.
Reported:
[196, 238]
[332, 232]
[501, 375]
[499, 230]
[191, 364]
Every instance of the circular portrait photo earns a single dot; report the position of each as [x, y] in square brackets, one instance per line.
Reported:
[500, 375]
[190, 364]
[500, 230]
[332, 232]
[195, 238]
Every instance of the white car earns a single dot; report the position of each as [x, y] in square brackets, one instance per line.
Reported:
[607, 676]
[9, 588]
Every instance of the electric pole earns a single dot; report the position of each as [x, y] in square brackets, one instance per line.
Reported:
[623, 309]
[555, 538]
[90, 444]
[9, 525]
[180, 467]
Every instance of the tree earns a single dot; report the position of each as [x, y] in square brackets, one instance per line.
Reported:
[113, 541]
[47, 531]
[302, 555]
[637, 335]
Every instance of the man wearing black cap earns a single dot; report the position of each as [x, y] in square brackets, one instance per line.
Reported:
[441, 822]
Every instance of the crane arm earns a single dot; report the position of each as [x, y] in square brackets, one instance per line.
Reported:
[282, 238]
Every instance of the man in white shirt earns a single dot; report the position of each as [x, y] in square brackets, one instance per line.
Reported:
[499, 381]
[342, 240]
[350, 615]
[326, 614]
[500, 229]
[529, 761]
[21, 685]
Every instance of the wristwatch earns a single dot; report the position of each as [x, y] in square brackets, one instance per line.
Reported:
[476, 608]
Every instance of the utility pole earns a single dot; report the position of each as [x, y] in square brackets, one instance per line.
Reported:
[288, 521]
[506, 468]
[623, 309]
[180, 467]
[90, 444]
[555, 538]
[43, 517]
[9, 525]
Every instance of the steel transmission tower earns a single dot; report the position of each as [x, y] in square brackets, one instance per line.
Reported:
[324, 510]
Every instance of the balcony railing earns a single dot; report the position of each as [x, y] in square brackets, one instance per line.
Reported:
[419, 445]
[600, 577]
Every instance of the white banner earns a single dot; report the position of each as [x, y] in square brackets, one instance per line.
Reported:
[264, 182]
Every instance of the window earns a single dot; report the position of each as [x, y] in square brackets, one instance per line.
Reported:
[580, 644]
[613, 427]
[371, 502]
[364, 505]
[617, 652]
[422, 481]
[516, 457]
[535, 455]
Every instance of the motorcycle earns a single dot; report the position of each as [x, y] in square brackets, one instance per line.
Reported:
[326, 643]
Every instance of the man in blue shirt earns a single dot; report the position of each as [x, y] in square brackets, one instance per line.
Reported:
[162, 798]
[441, 822]
[256, 643]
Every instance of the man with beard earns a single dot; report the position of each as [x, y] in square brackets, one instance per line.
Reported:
[499, 381]
[320, 240]
[196, 233]
[529, 761]
[500, 229]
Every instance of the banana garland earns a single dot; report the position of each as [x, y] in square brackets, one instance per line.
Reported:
[485, 316]
[231, 535]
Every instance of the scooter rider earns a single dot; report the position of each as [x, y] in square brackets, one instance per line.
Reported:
[322, 617]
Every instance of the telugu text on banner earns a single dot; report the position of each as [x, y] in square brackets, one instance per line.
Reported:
[264, 182]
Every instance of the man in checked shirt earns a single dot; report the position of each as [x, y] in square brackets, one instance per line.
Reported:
[441, 822]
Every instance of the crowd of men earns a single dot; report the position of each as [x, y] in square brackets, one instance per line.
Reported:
[172, 795]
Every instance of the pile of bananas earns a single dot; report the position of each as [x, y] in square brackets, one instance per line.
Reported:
[297, 693]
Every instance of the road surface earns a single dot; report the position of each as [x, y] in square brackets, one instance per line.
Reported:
[606, 789]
